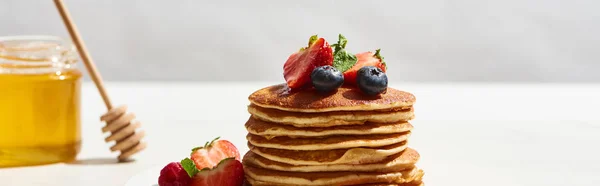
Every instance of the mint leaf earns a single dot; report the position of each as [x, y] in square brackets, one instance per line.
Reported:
[189, 166]
[341, 44]
[342, 60]
[378, 55]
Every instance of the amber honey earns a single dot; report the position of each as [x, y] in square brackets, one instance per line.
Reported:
[39, 106]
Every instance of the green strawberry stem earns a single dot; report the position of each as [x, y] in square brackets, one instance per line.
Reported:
[378, 55]
[312, 39]
[206, 145]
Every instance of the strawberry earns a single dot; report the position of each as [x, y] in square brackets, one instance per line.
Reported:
[173, 175]
[299, 65]
[364, 59]
[229, 172]
[213, 152]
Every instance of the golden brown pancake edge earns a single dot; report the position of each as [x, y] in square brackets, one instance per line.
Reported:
[396, 162]
[330, 178]
[344, 99]
[329, 157]
[264, 128]
[328, 142]
[328, 119]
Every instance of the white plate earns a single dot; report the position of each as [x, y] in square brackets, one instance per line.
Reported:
[146, 178]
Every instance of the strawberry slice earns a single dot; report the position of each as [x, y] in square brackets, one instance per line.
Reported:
[299, 65]
[364, 59]
[213, 152]
[229, 172]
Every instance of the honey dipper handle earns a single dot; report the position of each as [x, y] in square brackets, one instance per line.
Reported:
[83, 52]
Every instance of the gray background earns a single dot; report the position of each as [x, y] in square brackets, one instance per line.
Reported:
[460, 40]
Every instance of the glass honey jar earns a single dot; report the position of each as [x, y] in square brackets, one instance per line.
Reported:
[40, 89]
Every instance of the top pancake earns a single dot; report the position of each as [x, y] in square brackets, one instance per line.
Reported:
[344, 99]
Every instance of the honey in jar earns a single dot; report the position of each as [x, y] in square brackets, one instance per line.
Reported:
[40, 91]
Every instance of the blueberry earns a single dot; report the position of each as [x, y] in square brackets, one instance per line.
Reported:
[371, 80]
[326, 78]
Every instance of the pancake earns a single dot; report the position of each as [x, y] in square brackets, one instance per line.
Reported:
[263, 128]
[327, 119]
[397, 162]
[253, 182]
[328, 142]
[329, 157]
[344, 99]
[329, 178]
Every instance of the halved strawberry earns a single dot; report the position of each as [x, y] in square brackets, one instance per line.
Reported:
[299, 65]
[364, 59]
[213, 152]
[229, 172]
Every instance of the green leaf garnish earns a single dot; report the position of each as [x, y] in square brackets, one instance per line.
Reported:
[378, 55]
[189, 166]
[342, 60]
[341, 44]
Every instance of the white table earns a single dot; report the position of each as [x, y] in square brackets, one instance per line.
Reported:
[467, 134]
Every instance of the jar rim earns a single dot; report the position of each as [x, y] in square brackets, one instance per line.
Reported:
[35, 54]
[31, 37]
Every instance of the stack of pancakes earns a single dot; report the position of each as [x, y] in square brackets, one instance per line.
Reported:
[340, 138]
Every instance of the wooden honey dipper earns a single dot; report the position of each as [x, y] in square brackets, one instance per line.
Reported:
[119, 122]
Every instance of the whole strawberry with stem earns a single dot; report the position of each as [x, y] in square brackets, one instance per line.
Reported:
[299, 65]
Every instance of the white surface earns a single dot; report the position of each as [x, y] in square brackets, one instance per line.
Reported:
[146, 177]
[467, 134]
[432, 40]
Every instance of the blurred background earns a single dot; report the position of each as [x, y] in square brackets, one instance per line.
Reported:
[422, 41]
